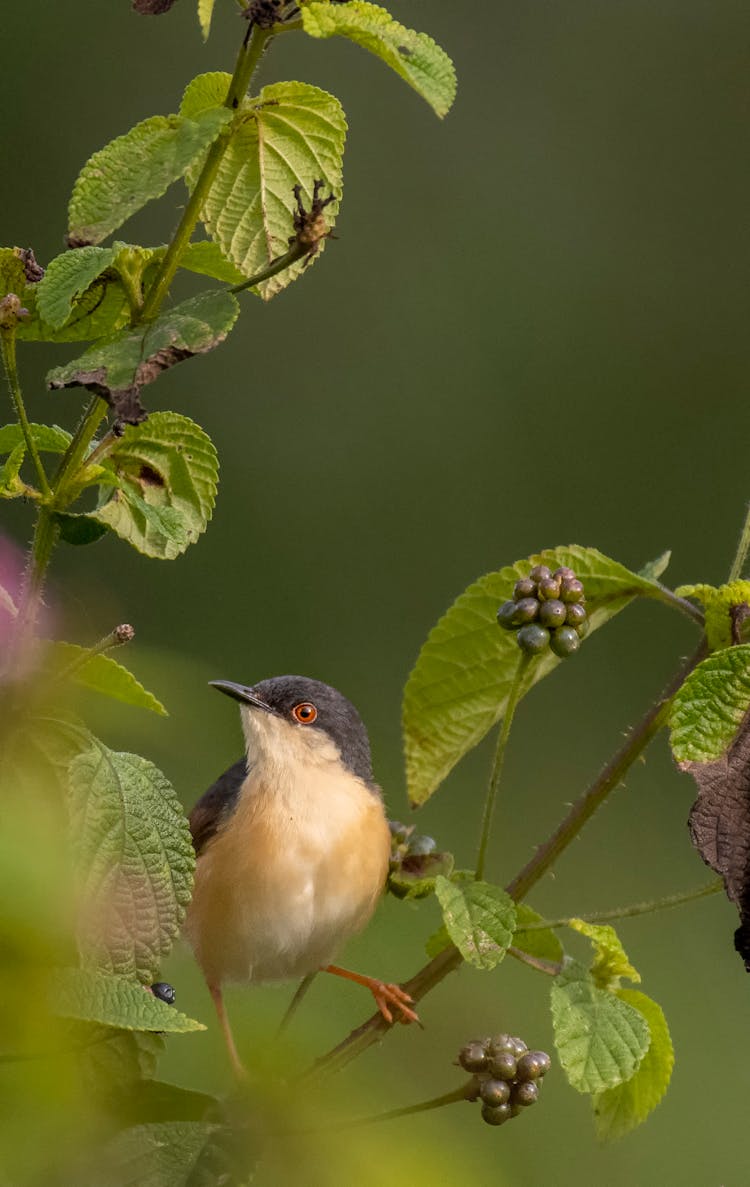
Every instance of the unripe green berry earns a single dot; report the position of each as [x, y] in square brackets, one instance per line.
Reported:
[506, 616]
[503, 1065]
[540, 572]
[473, 1057]
[552, 614]
[495, 1092]
[548, 588]
[526, 611]
[565, 641]
[563, 571]
[575, 614]
[496, 1116]
[571, 590]
[533, 1064]
[524, 588]
[533, 639]
[525, 1094]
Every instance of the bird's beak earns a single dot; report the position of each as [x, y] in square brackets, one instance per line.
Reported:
[238, 692]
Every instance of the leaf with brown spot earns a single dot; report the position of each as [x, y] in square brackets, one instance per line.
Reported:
[117, 368]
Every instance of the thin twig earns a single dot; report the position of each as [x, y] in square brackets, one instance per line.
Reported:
[647, 908]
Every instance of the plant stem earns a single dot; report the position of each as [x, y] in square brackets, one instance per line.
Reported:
[296, 252]
[450, 958]
[743, 547]
[648, 908]
[611, 775]
[76, 451]
[497, 764]
[687, 608]
[8, 351]
[251, 51]
[551, 968]
[467, 1092]
[45, 537]
[116, 638]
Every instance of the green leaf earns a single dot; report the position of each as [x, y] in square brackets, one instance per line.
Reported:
[610, 961]
[438, 942]
[103, 674]
[79, 529]
[12, 272]
[134, 858]
[67, 277]
[480, 920]
[709, 708]
[207, 259]
[542, 942]
[460, 683]
[620, 1110]
[47, 438]
[600, 1038]
[718, 604]
[167, 472]
[102, 309]
[415, 876]
[91, 996]
[292, 134]
[117, 368]
[170, 1154]
[114, 1061]
[415, 57]
[11, 485]
[135, 168]
[205, 12]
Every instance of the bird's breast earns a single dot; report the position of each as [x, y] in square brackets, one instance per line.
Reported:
[297, 869]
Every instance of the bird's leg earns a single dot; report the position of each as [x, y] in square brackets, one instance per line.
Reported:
[226, 1030]
[386, 995]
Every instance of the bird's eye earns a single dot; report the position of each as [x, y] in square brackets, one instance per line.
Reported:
[305, 713]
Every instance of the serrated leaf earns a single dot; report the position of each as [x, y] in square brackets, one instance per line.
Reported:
[415, 57]
[542, 942]
[719, 603]
[480, 920]
[11, 485]
[102, 674]
[207, 259]
[130, 171]
[67, 277]
[292, 134]
[610, 961]
[166, 468]
[205, 12]
[47, 438]
[620, 1110]
[170, 1154]
[134, 860]
[102, 309]
[91, 996]
[117, 368]
[600, 1038]
[709, 708]
[460, 683]
[710, 722]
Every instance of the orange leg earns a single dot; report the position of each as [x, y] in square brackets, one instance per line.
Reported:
[226, 1030]
[386, 995]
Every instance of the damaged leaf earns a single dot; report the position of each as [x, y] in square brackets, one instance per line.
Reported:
[711, 740]
[119, 367]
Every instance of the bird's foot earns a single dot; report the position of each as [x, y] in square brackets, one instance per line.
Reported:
[388, 997]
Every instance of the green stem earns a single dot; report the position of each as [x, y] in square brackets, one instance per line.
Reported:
[8, 351]
[467, 1091]
[116, 638]
[78, 448]
[687, 608]
[251, 51]
[743, 547]
[296, 252]
[660, 904]
[450, 958]
[497, 765]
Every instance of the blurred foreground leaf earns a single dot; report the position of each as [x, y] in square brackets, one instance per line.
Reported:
[91, 996]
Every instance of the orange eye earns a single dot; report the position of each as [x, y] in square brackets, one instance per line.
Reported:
[305, 713]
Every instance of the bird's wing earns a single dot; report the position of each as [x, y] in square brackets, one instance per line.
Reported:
[216, 805]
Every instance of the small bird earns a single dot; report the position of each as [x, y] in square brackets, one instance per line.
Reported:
[292, 845]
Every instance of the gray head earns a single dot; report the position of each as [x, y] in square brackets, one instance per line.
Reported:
[306, 705]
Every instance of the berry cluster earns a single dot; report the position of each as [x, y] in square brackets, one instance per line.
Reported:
[508, 1076]
[547, 610]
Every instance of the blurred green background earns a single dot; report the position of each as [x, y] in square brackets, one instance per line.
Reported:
[532, 330]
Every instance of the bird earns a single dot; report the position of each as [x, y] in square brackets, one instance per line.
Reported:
[292, 846]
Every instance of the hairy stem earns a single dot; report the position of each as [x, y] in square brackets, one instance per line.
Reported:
[45, 538]
[296, 252]
[670, 598]
[116, 638]
[743, 547]
[450, 958]
[497, 765]
[251, 51]
[8, 351]
[647, 908]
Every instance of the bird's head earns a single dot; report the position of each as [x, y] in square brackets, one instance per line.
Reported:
[296, 718]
